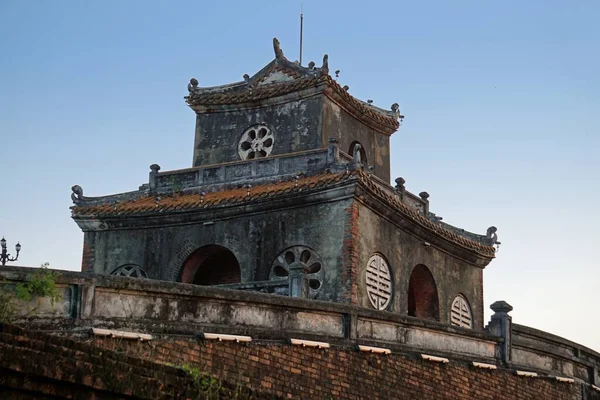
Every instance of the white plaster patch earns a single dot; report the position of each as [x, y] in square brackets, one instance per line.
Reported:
[276, 76]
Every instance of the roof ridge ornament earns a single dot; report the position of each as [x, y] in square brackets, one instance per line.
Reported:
[325, 67]
[77, 195]
[277, 49]
[192, 86]
[492, 237]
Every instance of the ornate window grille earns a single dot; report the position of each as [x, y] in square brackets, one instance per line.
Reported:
[131, 270]
[460, 314]
[256, 142]
[379, 282]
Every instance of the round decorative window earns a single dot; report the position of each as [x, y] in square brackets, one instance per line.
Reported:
[256, 142]
[460, 314]
[379, 282]
[310, 261]
[131, 270]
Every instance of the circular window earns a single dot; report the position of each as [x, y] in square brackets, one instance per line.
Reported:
[309, 259]
[379, 282]
[132, 270]
[460, 314]
[256, 142]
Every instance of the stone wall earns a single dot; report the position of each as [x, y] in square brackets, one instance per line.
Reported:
[172, 311]
[340, 124]
[295, 125]
[254, 238]
[403, 253]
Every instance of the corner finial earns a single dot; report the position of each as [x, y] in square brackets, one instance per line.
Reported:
[193, 85]
[77, 194]
[325, 67]
[492, 236]
[277, 48]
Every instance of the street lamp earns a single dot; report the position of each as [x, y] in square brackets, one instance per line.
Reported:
[4, 256]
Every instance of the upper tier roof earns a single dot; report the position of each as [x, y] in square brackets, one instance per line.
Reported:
[281, 77]
[153, 204]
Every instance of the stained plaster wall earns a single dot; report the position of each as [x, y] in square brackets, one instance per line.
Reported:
[341, 125]
[255, 239]
[403, 252]
[295, 126]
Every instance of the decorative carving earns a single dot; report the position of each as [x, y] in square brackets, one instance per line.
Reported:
[192, 86]
[300, 257]
[325, 67]
[77, 195]
[460, 313]
[493, 237]
[247, 79]
[356, 156]
[311, 65]
[256, 142]
[277, 48]
[130, 270]
[346, 88]
[378, 280]
[396, 110]
[424, 196]
[400, 181]
[337, 73]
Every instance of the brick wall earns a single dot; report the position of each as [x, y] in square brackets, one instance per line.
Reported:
[89, 252]
[350, 255]
[344, 373]
[36, 365]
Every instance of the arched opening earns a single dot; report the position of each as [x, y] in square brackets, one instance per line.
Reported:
[423, 299]
[211, 265]
[363, 153]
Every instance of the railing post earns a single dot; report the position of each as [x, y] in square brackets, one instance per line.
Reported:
[152, 178]
[501, 325]
[298, 281]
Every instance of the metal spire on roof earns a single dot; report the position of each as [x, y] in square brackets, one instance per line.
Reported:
[301, 26]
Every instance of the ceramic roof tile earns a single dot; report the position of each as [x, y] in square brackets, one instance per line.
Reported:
[190, 202]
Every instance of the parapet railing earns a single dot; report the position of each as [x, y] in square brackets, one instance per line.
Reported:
[160, 307]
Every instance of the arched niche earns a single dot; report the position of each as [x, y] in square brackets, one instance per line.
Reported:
[423, 301]
[362, 151]
[211, 265]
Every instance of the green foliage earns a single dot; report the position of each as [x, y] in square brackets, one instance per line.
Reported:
[7, 308]
[207, 385]
[175, 186]
[41, 283]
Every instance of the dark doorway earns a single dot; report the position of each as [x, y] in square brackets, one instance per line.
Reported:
[423, 299]
[211, 265]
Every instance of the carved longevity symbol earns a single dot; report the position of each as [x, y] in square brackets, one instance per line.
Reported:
[379, 282]
[300, 256]
[460, 315]
[256, 142]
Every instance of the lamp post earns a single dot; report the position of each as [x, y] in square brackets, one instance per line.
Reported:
[4, 256]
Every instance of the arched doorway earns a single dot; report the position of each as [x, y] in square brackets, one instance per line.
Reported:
[423, 299]
[211, 265]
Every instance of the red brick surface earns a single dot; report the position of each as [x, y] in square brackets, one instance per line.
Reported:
[343, 373]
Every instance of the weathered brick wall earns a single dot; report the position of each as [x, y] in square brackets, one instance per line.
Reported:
[36, 365]
[89, 252]
[350, 255]
[343, 373]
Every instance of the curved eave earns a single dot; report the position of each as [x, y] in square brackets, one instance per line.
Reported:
[475, 253]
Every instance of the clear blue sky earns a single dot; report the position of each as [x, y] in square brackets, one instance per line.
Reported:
[501, 102]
